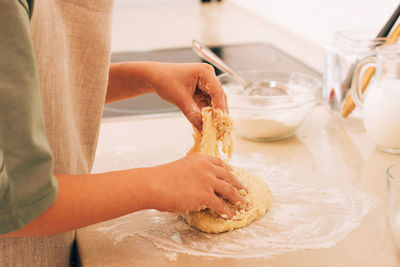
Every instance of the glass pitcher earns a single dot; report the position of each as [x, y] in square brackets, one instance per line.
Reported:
[341, 56]
[381, 101]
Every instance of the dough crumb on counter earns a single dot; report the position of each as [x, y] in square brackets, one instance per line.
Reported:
[171, 257]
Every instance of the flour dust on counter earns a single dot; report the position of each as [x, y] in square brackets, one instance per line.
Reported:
[307, 213]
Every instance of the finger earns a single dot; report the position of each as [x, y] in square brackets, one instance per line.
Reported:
[218, 205]
[192, 113]
[201, 99]
[219, 162]
[224, 172]
[229, 177]
[226, 104]
[214, 90]
[228, 192]
[209, 85]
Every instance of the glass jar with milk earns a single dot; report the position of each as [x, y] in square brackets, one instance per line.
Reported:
[381, 101]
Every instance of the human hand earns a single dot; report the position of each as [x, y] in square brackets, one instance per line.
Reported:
[190, 86]
[193, 183]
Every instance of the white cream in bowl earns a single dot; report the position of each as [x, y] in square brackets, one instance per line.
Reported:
[270, 118]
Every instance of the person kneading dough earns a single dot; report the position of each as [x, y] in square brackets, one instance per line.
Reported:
[217, 127]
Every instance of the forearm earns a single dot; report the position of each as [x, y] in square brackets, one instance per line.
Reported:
[188, 184]
[84, 200]
[130, 79]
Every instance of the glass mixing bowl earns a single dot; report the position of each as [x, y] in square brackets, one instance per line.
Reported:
[270, 117]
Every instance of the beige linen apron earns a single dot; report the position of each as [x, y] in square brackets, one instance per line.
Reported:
[72, 48]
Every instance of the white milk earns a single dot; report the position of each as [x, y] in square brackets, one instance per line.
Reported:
[382, 113]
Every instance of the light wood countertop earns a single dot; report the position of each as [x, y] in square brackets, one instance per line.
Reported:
[321, 146]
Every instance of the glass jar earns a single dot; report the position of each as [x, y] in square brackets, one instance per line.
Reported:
[341, 57]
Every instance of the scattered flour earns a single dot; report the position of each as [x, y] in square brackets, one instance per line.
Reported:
[307, 213]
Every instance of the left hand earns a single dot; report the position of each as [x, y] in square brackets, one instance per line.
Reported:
[189, 86]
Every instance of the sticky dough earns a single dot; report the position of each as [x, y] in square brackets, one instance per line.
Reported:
[217, 128]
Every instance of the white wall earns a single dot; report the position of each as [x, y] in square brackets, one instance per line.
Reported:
[316, 20]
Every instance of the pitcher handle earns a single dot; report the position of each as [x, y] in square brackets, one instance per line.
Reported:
[358, 85]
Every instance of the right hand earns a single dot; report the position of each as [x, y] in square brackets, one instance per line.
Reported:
[189, 86]
[193, 183]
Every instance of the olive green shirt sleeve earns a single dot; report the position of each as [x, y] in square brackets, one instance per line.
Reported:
[27, 184]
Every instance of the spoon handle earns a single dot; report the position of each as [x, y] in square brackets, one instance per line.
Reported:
[206, 54]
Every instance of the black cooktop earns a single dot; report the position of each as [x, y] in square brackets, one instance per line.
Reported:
[238, 57]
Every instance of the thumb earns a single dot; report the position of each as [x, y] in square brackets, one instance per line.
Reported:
[193, 114]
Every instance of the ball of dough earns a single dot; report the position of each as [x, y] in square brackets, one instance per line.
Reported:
[260, 200]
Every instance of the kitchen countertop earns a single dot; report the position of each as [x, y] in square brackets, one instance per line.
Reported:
[322, 149]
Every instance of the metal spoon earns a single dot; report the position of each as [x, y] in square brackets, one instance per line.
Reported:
[267, 88]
